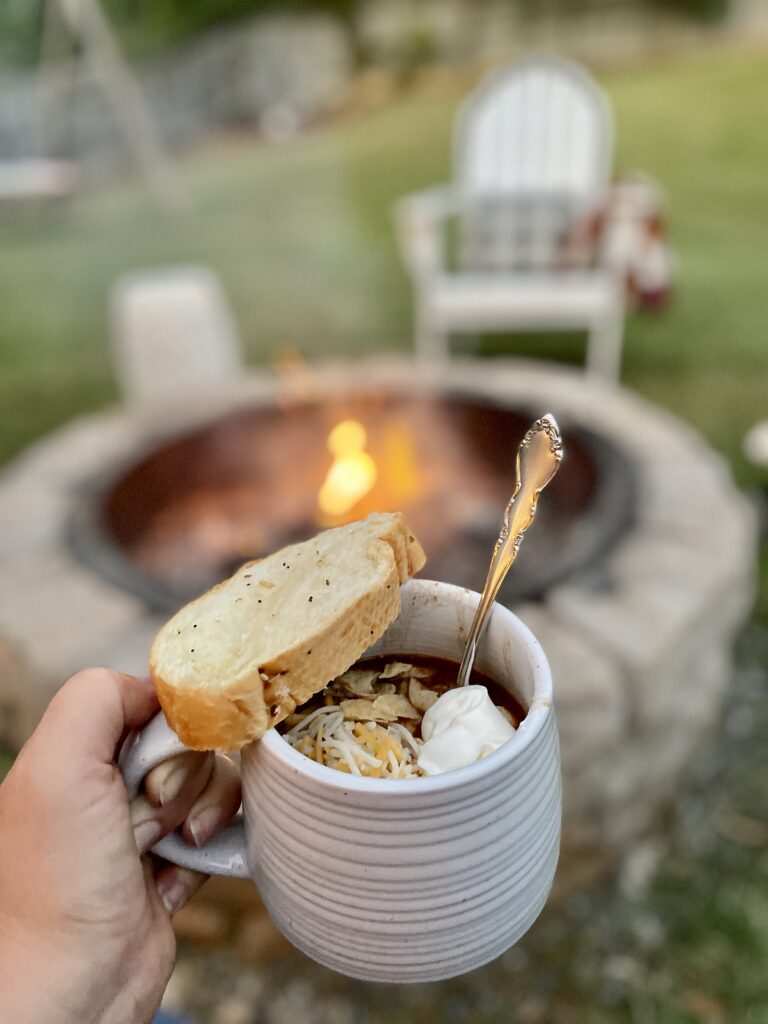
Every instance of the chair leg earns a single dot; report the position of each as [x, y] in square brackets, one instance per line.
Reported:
[604, 346]
[431, 340]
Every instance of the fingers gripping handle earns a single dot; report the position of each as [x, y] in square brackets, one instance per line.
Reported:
[145, 750]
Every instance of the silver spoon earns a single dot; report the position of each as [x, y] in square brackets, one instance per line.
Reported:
[538, 459]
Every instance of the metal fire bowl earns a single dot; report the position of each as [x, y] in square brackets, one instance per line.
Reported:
[181, 515]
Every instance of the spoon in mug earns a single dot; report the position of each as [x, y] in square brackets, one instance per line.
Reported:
[538, 458]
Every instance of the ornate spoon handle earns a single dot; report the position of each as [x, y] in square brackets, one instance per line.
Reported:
[538, 459]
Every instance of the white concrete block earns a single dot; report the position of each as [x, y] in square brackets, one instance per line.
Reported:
[55, 609]
[590, 697]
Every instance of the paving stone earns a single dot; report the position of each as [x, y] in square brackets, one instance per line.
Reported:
[690, 689]
[590, 699]
[201, 922]
[615, 624]
[693, 499]
[238, 895]
[297, 1001]
[640, 621]
[234, 1009]
[258, 940]
[33, 513]
[643, 427]
[640, 780]
[704, 575]
[55, 610]
[583, 860]
[82, 448]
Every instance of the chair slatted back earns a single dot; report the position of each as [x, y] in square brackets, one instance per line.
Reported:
[533, 151]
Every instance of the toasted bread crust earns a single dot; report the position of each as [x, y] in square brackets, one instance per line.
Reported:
[228, 715]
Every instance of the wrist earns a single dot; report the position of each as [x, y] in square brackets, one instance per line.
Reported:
[40, 983]
[28, 979]
[43, 984]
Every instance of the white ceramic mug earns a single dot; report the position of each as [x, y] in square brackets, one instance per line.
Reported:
[407, 880]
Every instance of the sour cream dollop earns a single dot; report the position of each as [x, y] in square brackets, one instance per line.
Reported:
[462, 726]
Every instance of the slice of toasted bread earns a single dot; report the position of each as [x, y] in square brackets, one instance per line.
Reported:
[239, 659]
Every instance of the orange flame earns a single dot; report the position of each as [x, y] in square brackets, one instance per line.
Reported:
[399, 465]
[353, 472]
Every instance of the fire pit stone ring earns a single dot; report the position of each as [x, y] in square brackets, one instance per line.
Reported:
[644, 629]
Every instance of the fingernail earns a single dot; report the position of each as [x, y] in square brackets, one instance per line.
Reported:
[173, 895]
[171, 784]
[146, 834]
[204, 824]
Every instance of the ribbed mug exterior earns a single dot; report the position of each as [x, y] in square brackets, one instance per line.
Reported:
[420, 879]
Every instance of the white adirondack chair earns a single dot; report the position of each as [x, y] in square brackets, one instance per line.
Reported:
[532, 162]
[173, 333]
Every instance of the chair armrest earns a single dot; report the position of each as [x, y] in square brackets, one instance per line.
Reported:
[420, 224]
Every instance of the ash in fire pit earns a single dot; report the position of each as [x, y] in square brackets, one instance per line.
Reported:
[184, 515]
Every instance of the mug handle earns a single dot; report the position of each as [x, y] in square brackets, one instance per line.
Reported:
[222, 855]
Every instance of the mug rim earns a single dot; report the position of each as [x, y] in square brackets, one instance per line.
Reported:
[539, 710]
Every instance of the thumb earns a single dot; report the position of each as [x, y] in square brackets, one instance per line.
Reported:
[92, 712]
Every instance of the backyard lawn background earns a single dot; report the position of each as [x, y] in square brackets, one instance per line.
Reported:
[302, 239]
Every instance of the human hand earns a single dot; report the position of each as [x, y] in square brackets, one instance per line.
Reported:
[85, 920]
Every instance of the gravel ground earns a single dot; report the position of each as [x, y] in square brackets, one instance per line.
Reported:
[678, 934]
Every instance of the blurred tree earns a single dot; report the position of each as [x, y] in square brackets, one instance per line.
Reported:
[707, 10]
[149, 25]
[20, 27]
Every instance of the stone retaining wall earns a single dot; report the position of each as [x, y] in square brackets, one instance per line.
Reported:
[400, 34]
[256, 74]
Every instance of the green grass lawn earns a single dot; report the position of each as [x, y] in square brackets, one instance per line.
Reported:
[302, 238]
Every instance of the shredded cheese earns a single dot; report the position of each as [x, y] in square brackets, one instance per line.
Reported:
[366, 748]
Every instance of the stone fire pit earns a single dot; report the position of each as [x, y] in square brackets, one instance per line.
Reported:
[186, 512]
[639, 637]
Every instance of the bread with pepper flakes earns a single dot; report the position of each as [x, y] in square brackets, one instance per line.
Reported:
[238, 660]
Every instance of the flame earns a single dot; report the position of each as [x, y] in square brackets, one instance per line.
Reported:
[353, 472]
[399, 465]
